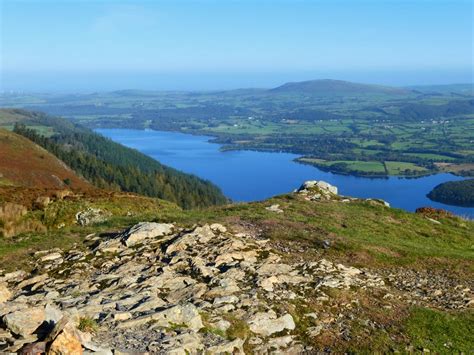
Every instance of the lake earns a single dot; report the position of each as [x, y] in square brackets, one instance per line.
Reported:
[250, 175]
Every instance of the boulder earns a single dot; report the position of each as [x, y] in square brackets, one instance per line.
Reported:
[34, 280]
[274, 208]
[33, 348]
[321, 185]
[5, 293]
[186, 314]
[378, 202]
[52, 314]
[267, 323]
[145, 230]
[228, 347]
[181, 314]
[25, 321]
[91, 216]
[66, 343]
[51, 257]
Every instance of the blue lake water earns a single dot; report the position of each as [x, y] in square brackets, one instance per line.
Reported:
[250, 175]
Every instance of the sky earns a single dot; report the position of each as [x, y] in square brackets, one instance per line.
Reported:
[87, 45]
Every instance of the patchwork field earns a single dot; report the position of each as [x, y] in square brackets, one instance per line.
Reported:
[345, 123]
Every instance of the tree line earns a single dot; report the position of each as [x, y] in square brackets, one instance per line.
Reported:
[109, 165]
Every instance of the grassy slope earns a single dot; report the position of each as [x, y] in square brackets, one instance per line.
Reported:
[157, 179]
[360, 234]
[26, 164]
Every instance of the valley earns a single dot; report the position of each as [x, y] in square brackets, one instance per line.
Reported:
[343, 127]
[255, 175]
[89, 264]
[236, 177]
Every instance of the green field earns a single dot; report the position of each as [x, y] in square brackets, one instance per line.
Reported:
[400, 168]
[353, 127]
[350, 167]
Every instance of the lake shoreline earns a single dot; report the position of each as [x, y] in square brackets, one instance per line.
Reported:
[245, 175]
[223, 147]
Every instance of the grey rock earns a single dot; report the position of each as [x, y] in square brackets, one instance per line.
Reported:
[32, 281]
[274, 208]
[5, 293]
[91, 216]
[322, 185]
[186, 314]
[24, 322]
[145, 230]
[228, 347]
[51, 257]
[267, 323]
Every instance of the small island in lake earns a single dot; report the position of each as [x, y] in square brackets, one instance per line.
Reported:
[458, 193]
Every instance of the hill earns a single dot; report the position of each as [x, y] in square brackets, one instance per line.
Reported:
[329, 87]
[458, 193]
[110, 165]
[23, 163]
[305, 272]
[457, 89]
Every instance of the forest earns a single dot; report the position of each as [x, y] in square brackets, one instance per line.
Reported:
[458, 193]
[107, 164]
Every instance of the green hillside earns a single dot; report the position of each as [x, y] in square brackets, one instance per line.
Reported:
[110, 165]
[424, 129]
[394, 281]
[329, 87]
[458, 193]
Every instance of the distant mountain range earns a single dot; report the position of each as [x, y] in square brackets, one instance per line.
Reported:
[328, 87]
[324, 87]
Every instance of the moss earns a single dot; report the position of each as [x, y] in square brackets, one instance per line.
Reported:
[238, 328]
[176, 326]
[441, 332]
[87, 324]
[211, 330]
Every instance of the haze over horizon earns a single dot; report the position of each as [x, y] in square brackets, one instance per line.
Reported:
[210, 45]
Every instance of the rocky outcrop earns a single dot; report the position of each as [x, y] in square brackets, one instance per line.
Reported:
[314, 190]
[163, 288]
[91, 216]
[318, 190]
[25, 320]
[5, 293]
[146, 230]
[267, 323]
[322, 185]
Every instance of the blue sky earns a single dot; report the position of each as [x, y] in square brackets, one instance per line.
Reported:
[214, 44]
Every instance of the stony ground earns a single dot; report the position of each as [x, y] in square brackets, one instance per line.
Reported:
[158, 288]
[163, 288]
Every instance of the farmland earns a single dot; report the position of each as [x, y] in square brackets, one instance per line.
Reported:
[339, 126]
